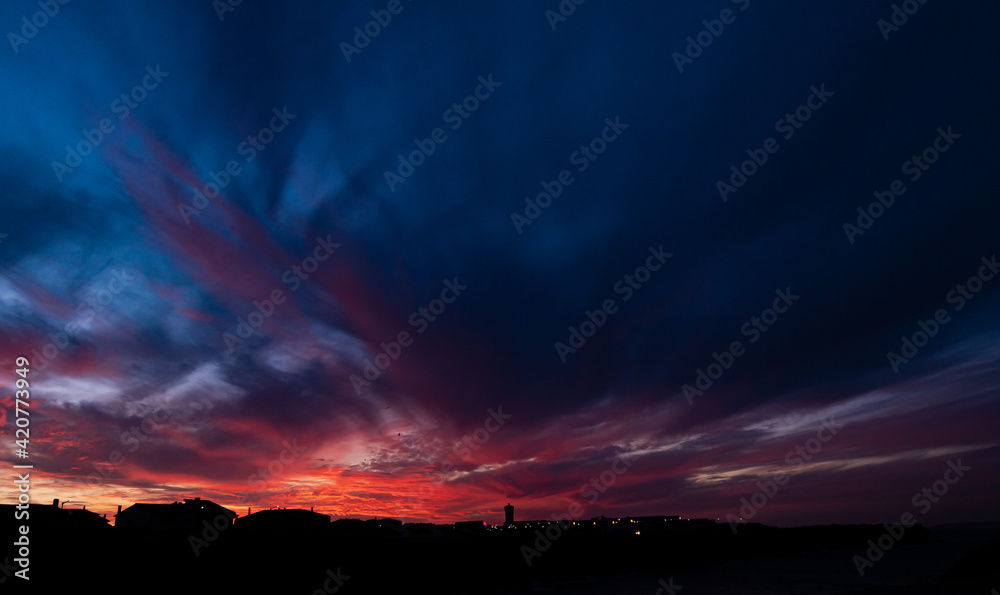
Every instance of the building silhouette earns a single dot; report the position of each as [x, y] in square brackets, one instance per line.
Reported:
[508, 515]
[188, 515]
[54, 517]
[282, 518]
[471, 526]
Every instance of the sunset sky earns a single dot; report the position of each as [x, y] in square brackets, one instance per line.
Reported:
[194, 331]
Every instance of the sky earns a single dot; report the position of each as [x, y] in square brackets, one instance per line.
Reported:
[725, 259]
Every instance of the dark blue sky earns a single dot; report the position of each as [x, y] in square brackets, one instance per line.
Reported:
[172, 95]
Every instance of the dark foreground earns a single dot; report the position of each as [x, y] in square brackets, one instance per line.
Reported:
[705, 560]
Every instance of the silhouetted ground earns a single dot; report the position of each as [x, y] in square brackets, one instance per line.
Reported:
[758, 560]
